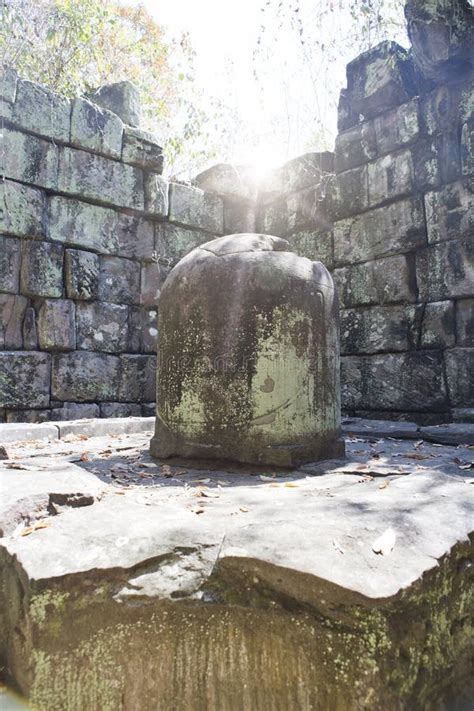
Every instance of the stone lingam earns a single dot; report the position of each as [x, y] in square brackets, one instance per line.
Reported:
[248, 363]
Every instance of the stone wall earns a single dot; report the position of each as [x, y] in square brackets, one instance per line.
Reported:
[85, 243]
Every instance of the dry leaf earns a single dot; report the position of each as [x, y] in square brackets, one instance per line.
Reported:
[84, 457]
[23, 467]
[119, 493]
[263, 477]
[384, 484]
[244, 509]
[35, 527]
[209, 494]
[198, 510]
[222, 483]
[290, 485]
[384, 544]
[337, 546]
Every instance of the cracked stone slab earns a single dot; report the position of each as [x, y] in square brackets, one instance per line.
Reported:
[168, 564]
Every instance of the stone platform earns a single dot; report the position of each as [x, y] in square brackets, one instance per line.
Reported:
[130, 584]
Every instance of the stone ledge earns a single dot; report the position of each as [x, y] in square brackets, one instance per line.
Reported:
[25, 432]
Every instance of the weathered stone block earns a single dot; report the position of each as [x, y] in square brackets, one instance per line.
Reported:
[301, 172]
[426, 164]
[24, 379]
[378, 79]
[10, 259]
[41, 111]
[467, 150]
[21, 210]
[156, 195]
[30, 331]
[387, 280]
[94, 177]
[306, 208]
[440, 109]
[459, 370]
[96, 129]
[239, 218]
[390, 177]
[134, 329]
[83, 225]
[81, 274]
[57, 325]
[345, 115]
[407, 382]
[348, 192]
[148, 409]
[317, 246]
[445, 270]
[119, 280]
[152, 280]
[120, 409]
[232, 182]
[149, 330]
[12, 311]
[449, 213]
[174, 242]
[29, 159]
[6, 111]
[8, 84]
[123, 98]
[41, 269]
[398, 127]
[437, 328]
[102, 327]
[441, 34]
[272, 219]
[85, 376]
[381, 328]
[355, 146]
[75, 411]
[398, 227]
[141, 148]
[138, 378]
[194, 207]
[33, 416]
[465, 322]
[135, 237]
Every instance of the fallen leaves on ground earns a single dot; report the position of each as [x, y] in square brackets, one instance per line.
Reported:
[35, 527]
[384, 484]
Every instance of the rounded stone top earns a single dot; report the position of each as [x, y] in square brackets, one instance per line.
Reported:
[245, 242]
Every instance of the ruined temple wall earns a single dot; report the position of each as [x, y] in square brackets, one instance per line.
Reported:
[395, 225]
[88, 228]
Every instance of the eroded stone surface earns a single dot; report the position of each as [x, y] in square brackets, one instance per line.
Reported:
[275, 573]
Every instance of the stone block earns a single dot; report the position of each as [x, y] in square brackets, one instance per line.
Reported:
[378, 329]
[346, 118]
[96, 129]
[467, 150]
[41, 269]
[355, 146]
[141, 148]
[348, 192]
[81, 274]
[149, 409]
[12, 311]
[379, 79]
[448, 151]
[94, 177]
[300, 173]
[465, 322]
[398, 127]
[398, 227]
[21, 210]
[6, 111]
[40, 110]
[29, 159]
[122, 98]
[306, 208]
[135, 237]
[32, 416]
[231, 182]
[119, 280]
[8, 84]
[82, 225]
[75, 411]
[445, 270]
[195, 208]
[407, 382]
[156, 195]
[440, 109]
[459, 370]
[10, 260]
[25, 379]
[120, 409]
[85, 377]
[390, 177]
[449, 213]
[426, 164]
[441, 34]
[149, 330]
[239, 218]
[317, 246]
[30, 331]
[437, 328]
[138, 378]
[382, 281]
[102, 327]
[57, 325]
[272, 219]
[152, 279]
[173, 241]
